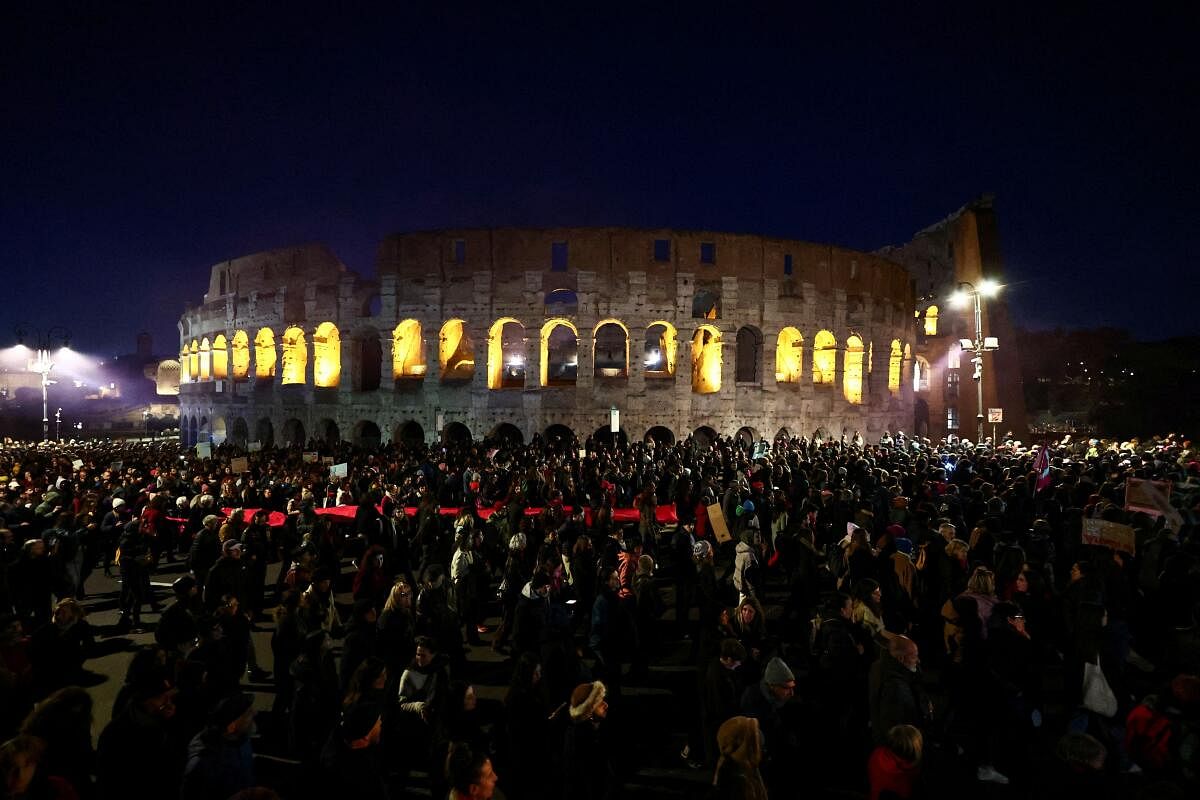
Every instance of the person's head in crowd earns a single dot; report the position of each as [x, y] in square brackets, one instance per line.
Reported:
[469, 773]
[732, 653]
[232, 549]
[19, 759]
[400, 597]
[1080, 570]
[982, 582]
[184, 587]
[645, 565]
[740, 740]
[588, 702]
[867, 592]
[368, 680]
[905, 651]
[612, 580]
[425, 652]
[779, 681]
[839, 604]
[958, 550]
[702, 552]
[906, 742]
[67, 612]
[64, 712]
[210, 521]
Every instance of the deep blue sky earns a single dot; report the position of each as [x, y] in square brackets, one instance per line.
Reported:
[141, 145]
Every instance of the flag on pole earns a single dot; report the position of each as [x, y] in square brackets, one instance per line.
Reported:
[1041, 465]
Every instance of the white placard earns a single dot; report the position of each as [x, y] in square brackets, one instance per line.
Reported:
[614, 420]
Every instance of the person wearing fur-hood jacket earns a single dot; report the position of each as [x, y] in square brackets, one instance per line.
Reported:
[587, 756]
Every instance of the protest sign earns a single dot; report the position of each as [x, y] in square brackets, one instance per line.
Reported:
[339, 470]
[77, 463]
[716, 519]
[204, 450]
[310, 458]
[240, 465]
[1108, 534]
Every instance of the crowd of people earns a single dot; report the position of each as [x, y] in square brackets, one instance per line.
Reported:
[894, 619]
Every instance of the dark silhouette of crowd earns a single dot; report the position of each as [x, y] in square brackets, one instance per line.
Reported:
[833, 617]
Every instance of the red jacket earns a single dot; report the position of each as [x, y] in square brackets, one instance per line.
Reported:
[890, 773]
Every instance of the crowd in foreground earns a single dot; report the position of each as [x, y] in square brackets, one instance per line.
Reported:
[898, 619]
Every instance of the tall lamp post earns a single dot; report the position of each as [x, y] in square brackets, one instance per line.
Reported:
[969, 292]
[42, 363]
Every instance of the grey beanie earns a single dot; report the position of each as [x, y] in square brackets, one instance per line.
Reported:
[777, 673]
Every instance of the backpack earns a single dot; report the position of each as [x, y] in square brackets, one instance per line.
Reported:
[1148, 735]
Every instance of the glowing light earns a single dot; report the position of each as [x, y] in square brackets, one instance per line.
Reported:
[327, 356]
[895, 360]
[220, 358]
[706, 360]
[653, 359]
[295, 356]
[505, 335]
[553, 373]
[852, 370]
[456, 351]
[988, 288]
[931, 321]
[264, 354]
[240, 355]
[408, 350]
[789, 356]
[959, 299]
[662, 338]
[824, 358]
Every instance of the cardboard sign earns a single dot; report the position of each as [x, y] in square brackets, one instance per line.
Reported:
[327, 460]
[254, 447]
[716, 518]
[77, 463]
[339, 470]
[1149, 497]
[310, 458]
[1108, 534]
[240, 465]
[614, 420]
[995, 415]
[582, 454]
[204, 450]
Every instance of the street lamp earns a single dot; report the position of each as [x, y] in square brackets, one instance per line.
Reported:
[58, 425]
[968, 292]
[42, 363]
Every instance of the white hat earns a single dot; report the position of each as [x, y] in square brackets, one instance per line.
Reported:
[117, 503]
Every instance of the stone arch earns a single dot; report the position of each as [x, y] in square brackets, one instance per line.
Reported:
[506, 354]
[852, 370]
[239, 432]
[561, 303]
[559, 434]
[931, 321]
[456, 433]
[706, 304]
[610, 349]
[507, 434]
[560, 353]
[661, 435]
[293, 433]
[264, 432]
[746, 436]
[327, 431]
[239, 356]
[369, 374]
[220, 358]
[220, 431]
[327, 356]
[295, 357]
[782, 433]
[921, 374]
[662, 342]
[895, 362]
[205, 360]
[456, 352]
[185, 368]
[749, 355]
[264, 355]
[824, 358]
[789, 356]
[408, 351]
[409, 434]
[367, 434]
[705, 436]
[706, 360]
[194, 361]
[606, 438]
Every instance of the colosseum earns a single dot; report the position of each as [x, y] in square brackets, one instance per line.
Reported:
[518, 332]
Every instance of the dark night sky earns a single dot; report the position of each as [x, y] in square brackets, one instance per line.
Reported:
[140, 149]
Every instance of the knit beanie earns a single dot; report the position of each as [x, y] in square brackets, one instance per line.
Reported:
[584, 700]
[777, 673]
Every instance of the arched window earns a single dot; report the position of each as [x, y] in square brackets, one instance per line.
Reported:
[220, 358]
[610, 350]
[239, 356]
[824, 358]
[789, 356]
[456, 352]
[205, 359]
[327, 356]
[895, 360]
[194, 360]
[506, 354]
[408, 351]
[185, 367]
[920, 375]
[706, 304]
[662, 341]
[931, 319]
[749, 355]
[706, 360]
[264, 354]
[852, 370]
[560, 353]
[295, 357]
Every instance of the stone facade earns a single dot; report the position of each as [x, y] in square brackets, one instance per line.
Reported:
[571, 297]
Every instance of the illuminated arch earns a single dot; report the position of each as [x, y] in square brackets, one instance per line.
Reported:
[506, 354]
[920, 374]
[610, 349]
[295, 357]
[931, 321]
[239, 356]
[408, 350]
[327, 356]
[895, 358]
[220, 358]
[560, 354]
[456, 351]
[185, 365]
[205, 359]
[706, 360]
[662, 342]
[852, 369]
[824, 358]
[789, 356]
[264, 354]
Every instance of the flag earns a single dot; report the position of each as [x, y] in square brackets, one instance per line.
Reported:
[1041, 465]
